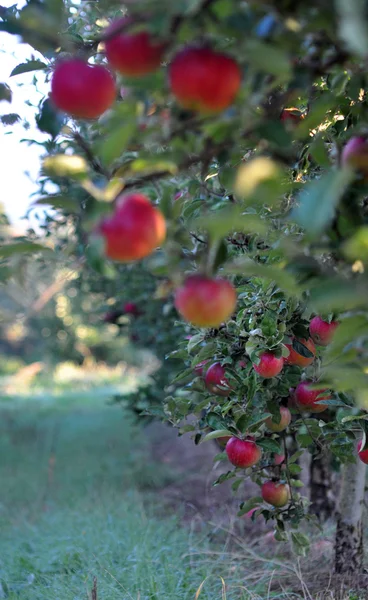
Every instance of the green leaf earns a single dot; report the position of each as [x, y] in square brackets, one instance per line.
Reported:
[50, 120]
[318, 200]
[60, 202]
[337, 295]
[114, 144]
[213, 435]
[356, 248]
[300, 543]
[66, 165]
[31, 65]
[247, 267]
[352, 21]
[236, 485]
[142, 166]
[227, 220]
[302, 349]
[270, 445]
[295, 469]
[183, 375]
[296, 483]
[224, 477]
[268, 58]
[10, 119]
[322, 110]
[249, 504]
[22, 248]
[206, 352]
[194, 341]
[5, 92]
[295, 456]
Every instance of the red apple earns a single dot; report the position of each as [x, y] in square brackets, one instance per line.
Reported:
[216, 381]
[285, 415]
[295, 358]
[243, 453]
[321, 331]
[204, 80]
[275, 493]
[130, 308]
[278, 459]
[132, 53]
[134, 230]
[291, 115]
[306, 398]
[355, 154]
[363, 454]
[269, 365]
[82, 90]
[205, 302]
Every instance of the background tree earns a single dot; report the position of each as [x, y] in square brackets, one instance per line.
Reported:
[269, 232]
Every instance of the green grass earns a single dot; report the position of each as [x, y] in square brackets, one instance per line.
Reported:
[79, 499]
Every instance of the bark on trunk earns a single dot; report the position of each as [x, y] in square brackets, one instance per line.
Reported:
[321, 487]
[349, 552]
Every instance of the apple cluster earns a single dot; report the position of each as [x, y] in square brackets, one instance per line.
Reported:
[243, 452]
[199, 77]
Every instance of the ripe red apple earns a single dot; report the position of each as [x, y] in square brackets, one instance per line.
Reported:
[275, 493]
[278, 459]
[291, 115]
[134, 230]
[130, 308]
[306, 398]
[216, 381]
[295, 358]
[269, 365]
[82, 90]
[321, 331]
[363, 454]
[285, 415]
[132, 53]
[204, 301]
[243, 453]
[204, 80]
[355, 154]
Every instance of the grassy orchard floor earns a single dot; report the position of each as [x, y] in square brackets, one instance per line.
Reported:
[82, 497]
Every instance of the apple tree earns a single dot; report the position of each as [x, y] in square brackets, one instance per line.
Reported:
[223, 143]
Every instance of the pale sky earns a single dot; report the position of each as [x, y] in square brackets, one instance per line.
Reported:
[19, 163]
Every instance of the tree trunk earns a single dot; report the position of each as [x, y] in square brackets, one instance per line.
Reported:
[321, 487]
[349, 552]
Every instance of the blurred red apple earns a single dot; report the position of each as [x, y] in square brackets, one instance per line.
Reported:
[132, 53]
[321, 331]
[204, 80]
[82, 90]
[134, 230]
[205, 302]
